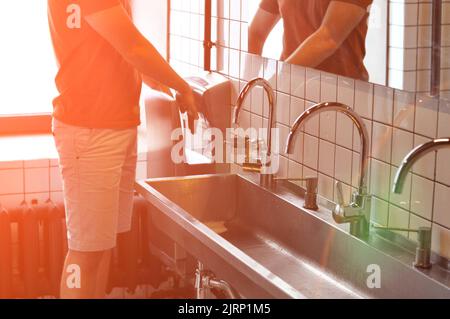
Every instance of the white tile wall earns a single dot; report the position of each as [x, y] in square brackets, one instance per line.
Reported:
[396, 120]
[41, 179]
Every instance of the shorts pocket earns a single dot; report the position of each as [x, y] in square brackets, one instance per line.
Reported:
[71, 141]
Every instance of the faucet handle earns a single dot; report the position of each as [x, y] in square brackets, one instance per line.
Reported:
[339, 194]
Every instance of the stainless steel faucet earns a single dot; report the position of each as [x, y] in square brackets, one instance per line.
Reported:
[413, 157]
[423, 250]
[265, 178]
[356, 213]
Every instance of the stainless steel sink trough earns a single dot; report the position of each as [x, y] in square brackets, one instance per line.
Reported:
[265, 245]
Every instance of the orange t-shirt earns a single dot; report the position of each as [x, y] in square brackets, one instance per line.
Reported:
[97, 87]
[302, 18]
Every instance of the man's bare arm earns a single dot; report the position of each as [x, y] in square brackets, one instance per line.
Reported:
[259, 30]
[340, 20]
[116, 27]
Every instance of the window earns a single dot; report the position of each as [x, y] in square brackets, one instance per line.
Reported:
[27, 63]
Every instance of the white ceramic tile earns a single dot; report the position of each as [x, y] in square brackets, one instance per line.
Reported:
[402, 144]
[244, 119]
[382, 142]
[283, 109]
[295, 170]
[404, 110]
[383, 104]
[37, 180]
[442, 166]
[283, 167]
[441, 205]
[40, 198]
[424, 58]
[403, 13]
[234, 63]
[425, 16]
[445, 35]
[43, 163]
[235, 9]
[298, 74]
[424, 36]
[398, 218]
[343, 165]
[344, 131]
[426, 165]
[440, 240]
[297, 108]
[346, 91]
[11, 181]
[311, 151]
[423, 81]
[251, 66]
[380, 209]
[55, 180]
[326, 157]
[403, 37]
[364, 99]
[422, 197]
[313, 85]
[446, 12]
[270, 71]
[328, 126]
[11, 201]
[284, 77]
[328, 87]
[326, 187]
[244, 36]
[380, 179]
[11, 165]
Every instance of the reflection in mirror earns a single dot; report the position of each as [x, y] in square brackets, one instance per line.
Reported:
[394, 43]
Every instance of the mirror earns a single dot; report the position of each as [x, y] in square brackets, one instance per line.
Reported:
[397, 44]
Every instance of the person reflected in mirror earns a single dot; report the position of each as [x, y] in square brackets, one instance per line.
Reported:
[328, 35]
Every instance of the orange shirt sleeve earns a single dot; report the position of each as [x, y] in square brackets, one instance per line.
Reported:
[92, 6]
[270, 6]
[361, 3]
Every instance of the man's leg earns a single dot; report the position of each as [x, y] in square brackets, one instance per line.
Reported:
[84, 275]
[91, 163]
[103, 275]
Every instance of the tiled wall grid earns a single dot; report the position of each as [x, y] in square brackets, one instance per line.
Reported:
[38, 179]
[329, 145]
[410, 45]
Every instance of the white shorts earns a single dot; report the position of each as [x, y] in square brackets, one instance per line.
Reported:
[98, 168]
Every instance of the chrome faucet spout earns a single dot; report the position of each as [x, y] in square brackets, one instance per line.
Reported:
[271, 99]
[357, 213]
[413, 157]
[356, 119]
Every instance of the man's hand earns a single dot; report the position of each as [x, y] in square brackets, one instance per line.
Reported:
[186, 102]
[340, 20]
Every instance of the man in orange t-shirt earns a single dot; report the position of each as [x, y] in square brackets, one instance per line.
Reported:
[328, 35]
[102, 60]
